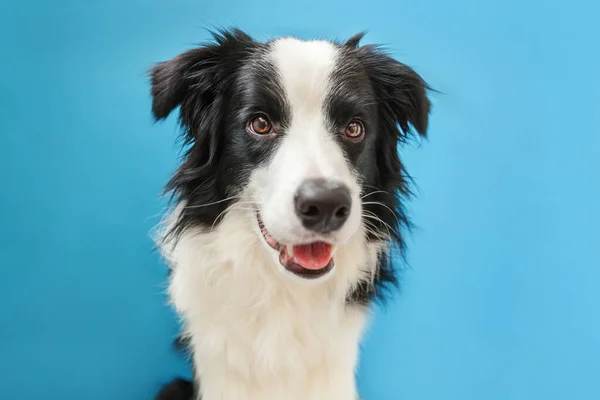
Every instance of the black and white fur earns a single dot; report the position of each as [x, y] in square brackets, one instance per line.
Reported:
[257, 331]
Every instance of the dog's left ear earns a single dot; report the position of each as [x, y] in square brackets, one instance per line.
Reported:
[354, 41]
[402, 92]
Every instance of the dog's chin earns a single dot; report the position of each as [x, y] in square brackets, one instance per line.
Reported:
[307, 262]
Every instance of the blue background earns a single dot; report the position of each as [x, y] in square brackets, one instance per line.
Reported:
[501, 301]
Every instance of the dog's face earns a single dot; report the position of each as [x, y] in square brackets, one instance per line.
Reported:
[302, 134]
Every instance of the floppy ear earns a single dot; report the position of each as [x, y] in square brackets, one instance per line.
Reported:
[171, 80]
[402, 91]
[202, 70]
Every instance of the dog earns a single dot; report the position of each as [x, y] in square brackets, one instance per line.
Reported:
[287, 205]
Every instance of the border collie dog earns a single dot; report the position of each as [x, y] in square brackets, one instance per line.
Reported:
[286, 205]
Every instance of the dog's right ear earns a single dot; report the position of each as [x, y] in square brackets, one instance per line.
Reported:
[202, 69]
[170, 81]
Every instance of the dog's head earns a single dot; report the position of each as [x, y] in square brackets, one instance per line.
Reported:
[304, 134]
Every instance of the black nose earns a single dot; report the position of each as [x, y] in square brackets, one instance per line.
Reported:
[322, 205]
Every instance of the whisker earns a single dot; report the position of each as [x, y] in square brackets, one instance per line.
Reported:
[374, 217]
[231, 207]
[386, 228]
[385, 206]
[209, 204]
[369, 228]
[374, 192]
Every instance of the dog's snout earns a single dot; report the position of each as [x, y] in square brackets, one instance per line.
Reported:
[323, 205]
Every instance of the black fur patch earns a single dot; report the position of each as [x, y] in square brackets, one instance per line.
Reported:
[177, 389]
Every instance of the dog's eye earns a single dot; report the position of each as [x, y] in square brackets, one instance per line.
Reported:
[355, 130]
[260, 125]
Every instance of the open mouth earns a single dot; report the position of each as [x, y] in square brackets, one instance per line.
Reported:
[310, 261]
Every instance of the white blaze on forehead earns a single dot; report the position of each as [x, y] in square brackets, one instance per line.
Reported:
[308, 147]
[304, 70]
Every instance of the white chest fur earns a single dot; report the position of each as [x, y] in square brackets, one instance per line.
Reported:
[257, 334]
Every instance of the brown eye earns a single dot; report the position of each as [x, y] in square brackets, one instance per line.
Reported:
[355, 130]
[260, 125]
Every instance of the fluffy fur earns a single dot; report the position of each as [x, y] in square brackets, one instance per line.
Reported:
[255, 329]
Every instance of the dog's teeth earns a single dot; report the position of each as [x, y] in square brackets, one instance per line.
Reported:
[290, 251]
[333, 249]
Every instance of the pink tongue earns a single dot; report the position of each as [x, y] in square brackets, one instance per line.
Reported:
[313, 256]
